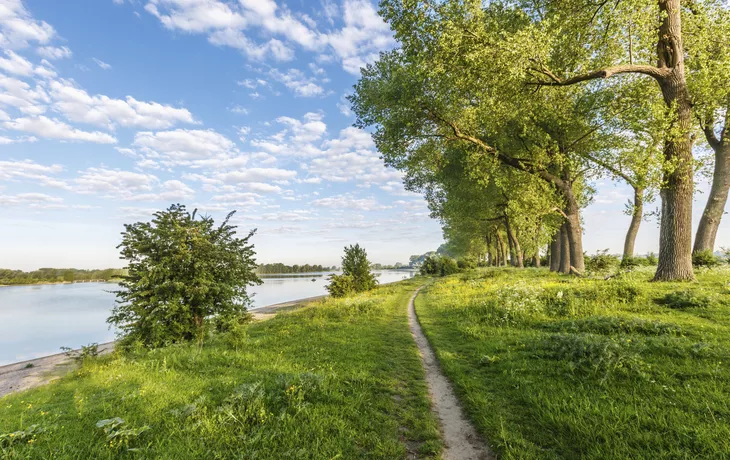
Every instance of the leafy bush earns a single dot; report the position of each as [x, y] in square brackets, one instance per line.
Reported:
[705, 259]
[651, 259]
[436, 265]
[680, 300]
[356, 275]
[467, 263]
[631, 262]
[183, 271]
[117, 435]
[87, 351]
[340, 285]
[602, 261]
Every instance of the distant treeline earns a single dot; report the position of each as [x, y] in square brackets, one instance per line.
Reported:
[58, 275]
[281, 268]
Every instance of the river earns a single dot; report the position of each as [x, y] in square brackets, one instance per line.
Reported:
[37, 320]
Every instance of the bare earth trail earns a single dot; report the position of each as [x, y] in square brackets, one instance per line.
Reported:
[460, 438]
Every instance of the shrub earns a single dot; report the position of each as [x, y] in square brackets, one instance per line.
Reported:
[651, 259]
[680, 300]
[467, 263]
[601, 262]
[630, 262]
[705, 259]
[610, 325]
[340, 285]
[436, 265]
[356, 275]
[183, 271]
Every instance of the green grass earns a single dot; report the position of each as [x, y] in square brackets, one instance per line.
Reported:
[555, 367]
[338, 379]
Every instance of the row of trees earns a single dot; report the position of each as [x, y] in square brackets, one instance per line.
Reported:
[264, 269]
[504, 113]
[57, 275]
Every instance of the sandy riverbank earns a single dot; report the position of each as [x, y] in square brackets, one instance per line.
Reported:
[39, 371]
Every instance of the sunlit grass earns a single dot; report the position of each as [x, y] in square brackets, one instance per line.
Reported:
[337, 379]
[556, 367]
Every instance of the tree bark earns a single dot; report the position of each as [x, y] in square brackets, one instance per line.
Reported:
[636, 216]
[675, 232]
[555, 252]
[500, 250]
[717, 199]
[564, 249]
[575, 233]
[517, 259]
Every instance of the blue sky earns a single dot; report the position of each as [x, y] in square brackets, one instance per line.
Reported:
[111, 109]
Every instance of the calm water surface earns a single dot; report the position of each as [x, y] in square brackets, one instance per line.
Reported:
[37, 320]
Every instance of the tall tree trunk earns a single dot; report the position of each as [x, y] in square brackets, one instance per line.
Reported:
[636, 216]
[717, 199]
[489, 250]
[518, 260]
[575, 233]
[555, 252]
[564, 249]
[675, 232]
[536, 260]
[500, 250]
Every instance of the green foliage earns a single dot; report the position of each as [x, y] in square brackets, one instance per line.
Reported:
[340, 285]
[705, 259]
[183, 271]
[651, 259]
[356, 275]
[602, 262]
[58, 275]
[283, 268]
[467, 263]
[681, 300]
[437, 265]
[86, 352]
[117, 435]
[27, 436]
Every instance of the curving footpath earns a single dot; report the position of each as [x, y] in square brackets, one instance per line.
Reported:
[460, 438]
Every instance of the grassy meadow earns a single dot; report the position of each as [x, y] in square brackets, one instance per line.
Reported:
[338, 379]
[549, 366]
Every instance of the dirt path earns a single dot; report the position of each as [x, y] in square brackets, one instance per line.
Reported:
[461, 439]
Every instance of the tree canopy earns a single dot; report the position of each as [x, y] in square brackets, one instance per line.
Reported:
[184, 270]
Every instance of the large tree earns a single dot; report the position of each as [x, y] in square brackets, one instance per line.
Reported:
[183, 270]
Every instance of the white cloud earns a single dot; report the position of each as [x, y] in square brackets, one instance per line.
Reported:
[18, 29]
[32, 200]
[54, 52]
[239, 110]
[102, 64]
[113, 182]
[52, 128]
[250, 175]
[19, 94]
[186, 147]
[348, 201]
[77, 105]
[295, 80]
[29, 170]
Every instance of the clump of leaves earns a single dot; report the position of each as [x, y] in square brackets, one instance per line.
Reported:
[85, 352]
[705, 259]
[22, 436]
[595, 354]
[467, 263]
[601, 262]
[183, 271]
[356, 275]
[117, 435]
[439, 265]
[681, 300]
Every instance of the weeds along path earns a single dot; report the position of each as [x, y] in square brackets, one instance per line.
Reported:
[460, 438]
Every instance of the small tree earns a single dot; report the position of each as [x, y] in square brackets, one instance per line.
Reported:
[356, 275]
[182, 271]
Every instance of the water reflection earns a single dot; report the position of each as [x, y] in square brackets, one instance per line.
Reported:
[38, 320]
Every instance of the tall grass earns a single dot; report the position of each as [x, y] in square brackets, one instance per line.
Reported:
[556, 367]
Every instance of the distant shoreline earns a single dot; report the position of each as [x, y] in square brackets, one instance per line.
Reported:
[51, 283]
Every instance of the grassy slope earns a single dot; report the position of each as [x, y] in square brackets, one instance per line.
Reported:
[551, 367]
[339, 379]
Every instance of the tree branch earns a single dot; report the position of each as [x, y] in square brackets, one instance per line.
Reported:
[655, 72]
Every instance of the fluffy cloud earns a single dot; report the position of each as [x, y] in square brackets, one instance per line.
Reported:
[113, 182]
[362, 35]
[53, 128]
[102, 64]
[186, 147]
[29, 170]
[18, 29]
[77, 105]
[32, 200]
[20, 95]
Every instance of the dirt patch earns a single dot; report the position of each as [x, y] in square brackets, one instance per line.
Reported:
[35, 372]
[460, 438]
